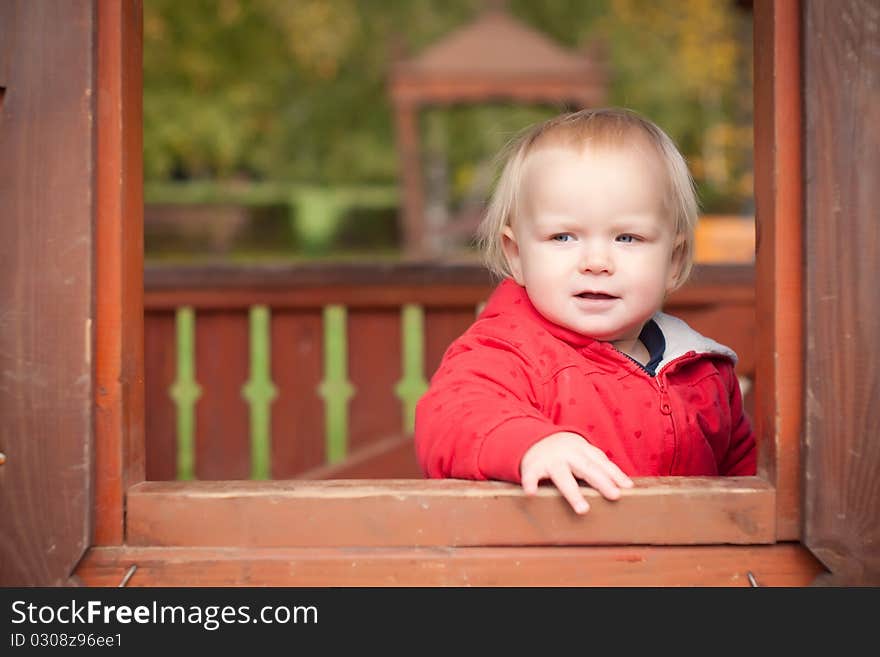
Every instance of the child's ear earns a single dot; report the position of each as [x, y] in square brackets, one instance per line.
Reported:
[511, 253]
[678, 252]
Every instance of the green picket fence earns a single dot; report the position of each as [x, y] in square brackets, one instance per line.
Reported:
[260, 391]
[275, 370]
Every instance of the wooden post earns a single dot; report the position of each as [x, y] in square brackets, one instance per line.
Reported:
[779, 257]
[46, 288]
[119, 288]
[407, 125]
[842, 163]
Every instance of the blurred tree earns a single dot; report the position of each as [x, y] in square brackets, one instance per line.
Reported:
[278, 90]
[688, 66]
[296, 90]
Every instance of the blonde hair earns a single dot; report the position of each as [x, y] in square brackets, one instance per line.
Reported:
[599, 127]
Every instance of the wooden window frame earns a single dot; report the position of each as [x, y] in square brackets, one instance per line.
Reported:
[133, 516]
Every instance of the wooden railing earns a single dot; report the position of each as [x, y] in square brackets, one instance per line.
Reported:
[314, 371]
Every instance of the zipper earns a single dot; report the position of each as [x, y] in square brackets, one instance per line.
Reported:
[665, 406]
[666, 409]
[641, 367]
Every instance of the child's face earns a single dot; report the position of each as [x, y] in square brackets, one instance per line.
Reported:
[590, 242]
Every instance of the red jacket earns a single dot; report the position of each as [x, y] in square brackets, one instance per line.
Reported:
[514, 378]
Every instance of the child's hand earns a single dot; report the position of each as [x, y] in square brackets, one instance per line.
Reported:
[563, 456]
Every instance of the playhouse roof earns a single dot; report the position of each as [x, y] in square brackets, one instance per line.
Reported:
[497, 55]
[496, 43]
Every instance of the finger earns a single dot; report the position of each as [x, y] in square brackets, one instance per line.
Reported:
[530, 482]
[618, 476]
[621, 478]
[596, 476]
[571, 491]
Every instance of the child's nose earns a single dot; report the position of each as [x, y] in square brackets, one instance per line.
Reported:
[596, 259]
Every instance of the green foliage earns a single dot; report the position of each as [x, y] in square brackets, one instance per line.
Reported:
[297, 90]
[688, 66]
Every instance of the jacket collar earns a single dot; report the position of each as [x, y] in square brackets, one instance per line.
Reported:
[680, 338]
[509, 294]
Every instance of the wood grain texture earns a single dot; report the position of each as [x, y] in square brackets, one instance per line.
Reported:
[298, 411]
[119, 286]
[390, 458]
[410, 220]
[46, 287]
[373, 285]
[842, 506]
[311, 297]
[374, 369]
[667, 510]
[160, 371]
[722, 565]
[779, 261]
[442, 326]
[222, 435]
[730, 324]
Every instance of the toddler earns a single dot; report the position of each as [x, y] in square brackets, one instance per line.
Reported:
[571, 372]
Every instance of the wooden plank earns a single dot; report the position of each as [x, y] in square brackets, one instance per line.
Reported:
[119, 291]
[160, 369]
[723, 239]
[336, 274]
[442, 326]
[730, 324]
[371, 274]
[709, 294]
[391, 458]
[411, 220]
[7, 46]
[543, 88]
[47, 385]
[369, 297]
[842, 494]
[779, 370]
[374, 286]
[786, 564]
[667, 510]
[351, 296]
[298, 411]
[374, 369]
[222, 414]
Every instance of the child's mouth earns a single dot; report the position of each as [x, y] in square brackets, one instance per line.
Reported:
[595, 295]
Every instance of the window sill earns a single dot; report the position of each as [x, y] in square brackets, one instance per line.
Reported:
[451, 513]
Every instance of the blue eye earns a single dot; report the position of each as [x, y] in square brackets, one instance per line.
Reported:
[626, 239]
[562, 237]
